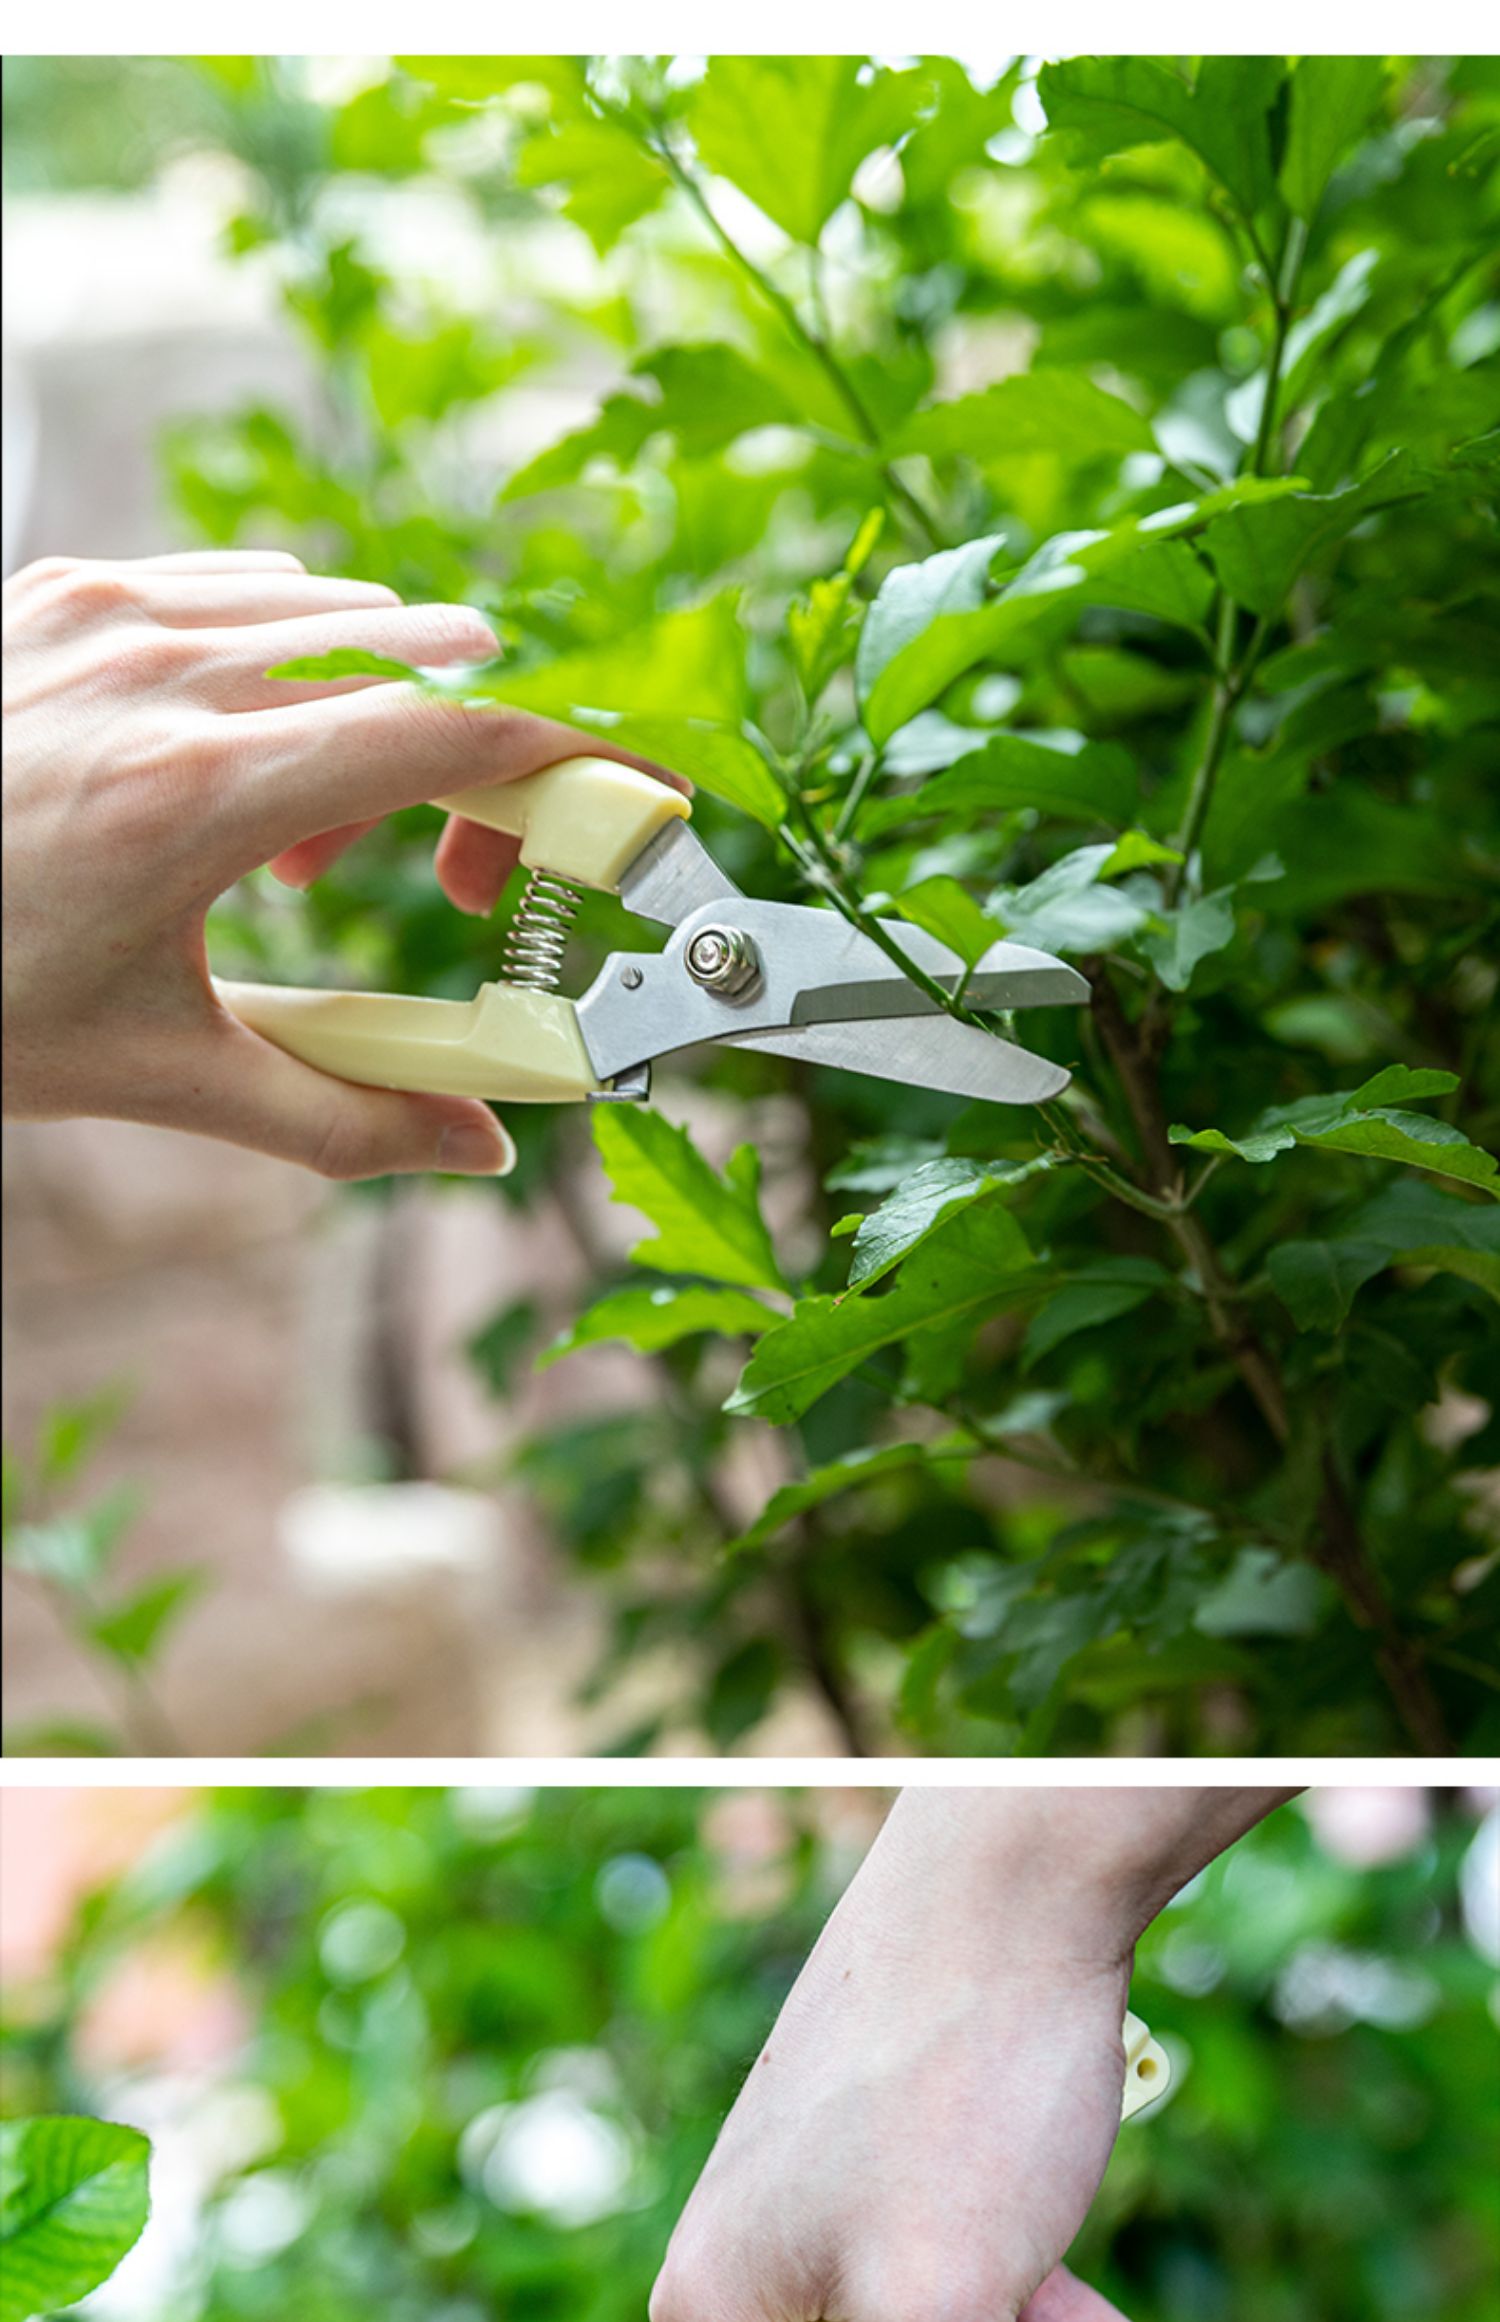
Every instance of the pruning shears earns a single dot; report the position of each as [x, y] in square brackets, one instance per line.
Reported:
[783, 979]
[1148, 2068]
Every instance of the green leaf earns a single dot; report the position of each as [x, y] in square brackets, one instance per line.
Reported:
[1096, 783]
[609, 179]
[650, 1319]
[620, 431]
[689, 662]
[708, 1224]
[1263, 1595]
[790, 131]
[924, 1200]
[1053, 411]
[933, 620]
[70, 1434]
[1258, 551]
[715, 758]
[74, 1551]
[74, 2197]
[1332, 98]
[1067, 909]
[976, 1264]
[344, 661]
[823, 627]
[942, 907]
[1190, 934]
[857, 1468]
[496, 1349]
[927, 624]
[61, 1738]
[1098, 106]
[1359, 1121]
[1089, 1295]
[133, 1629]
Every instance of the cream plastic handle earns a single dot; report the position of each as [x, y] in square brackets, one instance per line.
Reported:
[506, 1042]
[585, 818]
[1148, 2068]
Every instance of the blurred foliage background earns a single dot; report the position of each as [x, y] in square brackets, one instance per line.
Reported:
[878, 369]
[483, 2041]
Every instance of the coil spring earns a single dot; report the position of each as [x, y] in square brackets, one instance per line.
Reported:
[538, 938]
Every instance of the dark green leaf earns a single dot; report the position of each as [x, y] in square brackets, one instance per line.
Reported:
[707, 1224]
[1089, 1295]
[976, 1264]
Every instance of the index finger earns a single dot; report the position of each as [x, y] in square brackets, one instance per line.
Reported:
[1063, 2298]
[320, 765]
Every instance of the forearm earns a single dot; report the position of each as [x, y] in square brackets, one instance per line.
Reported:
[1085, 1868]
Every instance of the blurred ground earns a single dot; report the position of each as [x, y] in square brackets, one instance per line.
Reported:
[256, 1315]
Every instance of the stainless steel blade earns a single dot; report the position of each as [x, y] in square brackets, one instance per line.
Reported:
[869, 983]
[933, 1052]
[674, 876]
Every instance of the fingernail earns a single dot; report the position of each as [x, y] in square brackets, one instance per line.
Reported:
[468, 1150]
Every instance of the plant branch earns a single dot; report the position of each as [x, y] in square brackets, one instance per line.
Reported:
[813, 341]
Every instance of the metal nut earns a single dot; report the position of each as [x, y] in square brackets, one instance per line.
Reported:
[723, 960]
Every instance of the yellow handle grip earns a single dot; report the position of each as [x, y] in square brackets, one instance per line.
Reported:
[506, 1042]
[585, 818]
[1148, 2068]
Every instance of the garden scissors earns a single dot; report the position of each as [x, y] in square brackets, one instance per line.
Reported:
[783, 979]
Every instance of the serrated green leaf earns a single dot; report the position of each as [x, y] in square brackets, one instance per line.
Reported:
[927, 624]
[708, 1224]
[74, 2197]
[1054, 411]
[924, 1200]
[650, 1319]
[715, 758]
[790, 131]
[943, 908]
[976, 1264]
[1332, 98]
[693, 659]
[608, 178]
[933, 620]
[1258, 551]
[1096, 783]
[1098, 106]
[1357, 1121]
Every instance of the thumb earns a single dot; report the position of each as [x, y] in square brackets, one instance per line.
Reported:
[1062, 2298]
[234, 1085]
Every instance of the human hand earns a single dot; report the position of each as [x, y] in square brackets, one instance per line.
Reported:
[927, 2124]
[149, 763]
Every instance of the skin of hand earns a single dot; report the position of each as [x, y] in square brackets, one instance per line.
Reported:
[922, 2134]
[149, 763]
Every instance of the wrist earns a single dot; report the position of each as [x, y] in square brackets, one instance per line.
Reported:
[1078, 1873]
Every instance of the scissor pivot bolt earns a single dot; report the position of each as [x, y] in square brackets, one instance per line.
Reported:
[631, 978]
[723, 960]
